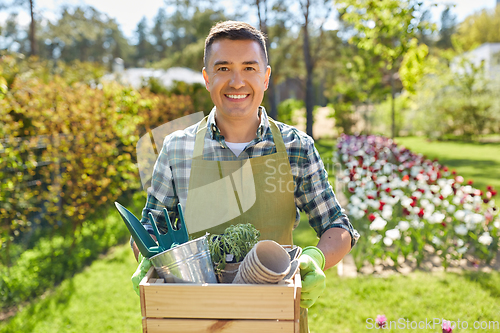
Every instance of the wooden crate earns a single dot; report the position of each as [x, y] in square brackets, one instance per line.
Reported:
[218, 307]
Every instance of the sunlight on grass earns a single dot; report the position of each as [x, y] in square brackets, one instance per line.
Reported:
[479, 162]
[100, 299]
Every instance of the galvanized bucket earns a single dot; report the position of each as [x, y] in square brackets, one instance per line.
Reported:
[187, 263]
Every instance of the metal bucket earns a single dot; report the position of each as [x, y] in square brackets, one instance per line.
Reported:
[187, 263]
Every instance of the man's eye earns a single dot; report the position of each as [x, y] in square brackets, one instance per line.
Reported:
[222, 69]
[249, 68]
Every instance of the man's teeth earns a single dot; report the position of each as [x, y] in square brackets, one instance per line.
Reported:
[237, 96]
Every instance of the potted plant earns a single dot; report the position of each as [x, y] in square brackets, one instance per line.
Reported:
[229, 249]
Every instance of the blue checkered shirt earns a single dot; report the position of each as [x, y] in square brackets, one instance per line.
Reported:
[313, 193]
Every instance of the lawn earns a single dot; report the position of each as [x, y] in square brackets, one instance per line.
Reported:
[100, 299]
[479, 162]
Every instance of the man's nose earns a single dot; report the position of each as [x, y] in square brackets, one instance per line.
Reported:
[236, 80]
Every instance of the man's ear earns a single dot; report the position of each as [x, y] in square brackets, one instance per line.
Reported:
[205, 77]
[268, 76]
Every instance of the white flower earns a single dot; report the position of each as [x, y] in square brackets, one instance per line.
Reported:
[456, 200]
[416, 194]
[446, 191]
[378, 224]
[435, 188]
[462, 250]
[436, 201]
[398, 193]
[496, 224]
[461, 229]
[387, 212]
[460, 215]
[375, 239]
[436, 218]
[436, 241]
[406, 202]
[393, 234]
[451, 209]
[485, 238]
[403, 225]
[460, 242]
[417, 224]
[445, 203]
[355, 200]
[468, 206]
[477, 218]
[387, 241]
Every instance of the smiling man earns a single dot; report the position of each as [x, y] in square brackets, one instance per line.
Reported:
[269, 170]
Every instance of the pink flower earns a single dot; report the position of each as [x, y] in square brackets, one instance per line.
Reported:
[459, 179]
[447, 326]
[381, 321]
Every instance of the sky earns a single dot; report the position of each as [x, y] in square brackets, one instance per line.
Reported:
[129, 12]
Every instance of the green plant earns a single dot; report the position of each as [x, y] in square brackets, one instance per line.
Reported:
[237, 240]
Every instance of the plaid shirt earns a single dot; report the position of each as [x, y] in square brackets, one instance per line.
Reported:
[313, 193]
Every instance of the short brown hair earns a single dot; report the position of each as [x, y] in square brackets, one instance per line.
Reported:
[234, 30]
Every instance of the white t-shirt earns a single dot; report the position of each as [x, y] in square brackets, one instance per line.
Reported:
[237, 147]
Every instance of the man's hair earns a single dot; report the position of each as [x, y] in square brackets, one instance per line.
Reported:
[234, 30]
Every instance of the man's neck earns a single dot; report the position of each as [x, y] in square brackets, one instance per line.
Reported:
[238, 129]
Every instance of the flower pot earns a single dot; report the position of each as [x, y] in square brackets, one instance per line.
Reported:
[227, 274]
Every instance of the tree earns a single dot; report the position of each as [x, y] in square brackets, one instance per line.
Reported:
[84, 34]
[479, 28]
[312, 16]
[448, 27]
[384, 27]
[159, 33]
[143, 47]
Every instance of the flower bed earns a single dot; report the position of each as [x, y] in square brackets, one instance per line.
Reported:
[401, 203]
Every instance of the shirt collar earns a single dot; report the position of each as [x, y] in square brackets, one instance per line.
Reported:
[214, 132]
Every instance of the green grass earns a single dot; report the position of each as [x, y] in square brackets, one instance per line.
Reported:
[101, 299]
[479, 162]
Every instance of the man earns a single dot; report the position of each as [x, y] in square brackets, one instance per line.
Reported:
[239, 166]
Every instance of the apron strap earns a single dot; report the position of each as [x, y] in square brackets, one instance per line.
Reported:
[202, 130]
[200, 138]
[278, 139]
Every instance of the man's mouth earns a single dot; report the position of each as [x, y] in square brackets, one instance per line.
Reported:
[237, 96]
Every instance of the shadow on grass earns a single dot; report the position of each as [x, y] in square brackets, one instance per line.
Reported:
[487, 281]
[41, 310]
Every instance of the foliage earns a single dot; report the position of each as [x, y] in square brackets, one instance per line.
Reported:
[68, 148]
[479, 28]
[288, 109]
[412, 68]
[459, 100]
[236, 240]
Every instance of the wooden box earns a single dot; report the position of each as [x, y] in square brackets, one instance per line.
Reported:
[219, 307]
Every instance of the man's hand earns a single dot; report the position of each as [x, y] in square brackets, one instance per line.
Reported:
[312, 263]
[140, 273]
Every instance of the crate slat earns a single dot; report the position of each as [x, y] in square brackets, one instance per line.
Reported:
[219, 301]
[217, 326]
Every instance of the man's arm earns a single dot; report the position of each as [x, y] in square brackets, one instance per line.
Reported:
[335, 243]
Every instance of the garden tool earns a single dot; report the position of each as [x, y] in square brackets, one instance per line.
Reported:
[147, 246]
[175, 258]
[173, 237]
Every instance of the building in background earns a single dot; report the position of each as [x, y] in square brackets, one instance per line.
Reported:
[486, 55]
[138, 77]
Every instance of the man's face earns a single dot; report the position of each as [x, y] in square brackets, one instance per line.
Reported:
[236, 77]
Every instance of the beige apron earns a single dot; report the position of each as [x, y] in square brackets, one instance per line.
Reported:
[258, 190]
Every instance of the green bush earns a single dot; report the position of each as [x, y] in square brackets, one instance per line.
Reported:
[289, 110]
